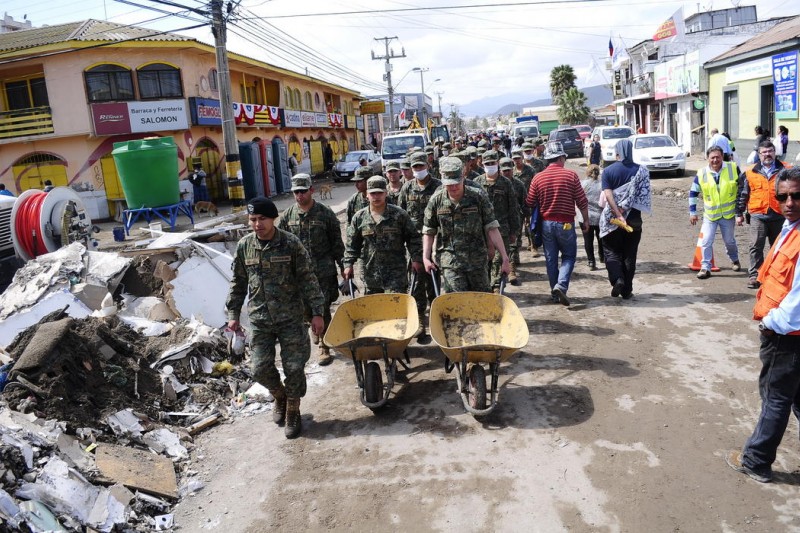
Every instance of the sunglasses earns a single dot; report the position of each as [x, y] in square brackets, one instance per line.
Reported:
[782, 197]
[301, 191]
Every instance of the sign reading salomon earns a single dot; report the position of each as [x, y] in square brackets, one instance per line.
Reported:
[139, 117]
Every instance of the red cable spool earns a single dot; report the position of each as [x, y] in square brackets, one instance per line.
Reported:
[27, 224]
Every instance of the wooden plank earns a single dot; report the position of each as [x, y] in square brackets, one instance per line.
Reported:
[137, 469]
[22, 133]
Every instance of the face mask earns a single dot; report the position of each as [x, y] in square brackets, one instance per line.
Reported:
[528, 157]
[420, 174]
[490, 169]
[445, 152]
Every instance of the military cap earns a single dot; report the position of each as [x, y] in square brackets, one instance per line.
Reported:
[428, 148]
[376, 184]
[447, 146]
[463, 155]
[482, 143]
[490, 155]
[362, 173]
[418, 158]
[394, 164]
[527, 146]
[439, 139]
[516, 152]
[539, 141]
[450, 169]
[506, 162]
[262, 206]
[301, 182]
[415, 149]
[481, 150]
[405, 163]
[495, 140]
[472, 151]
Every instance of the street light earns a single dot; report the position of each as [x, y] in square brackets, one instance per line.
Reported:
[422, 71]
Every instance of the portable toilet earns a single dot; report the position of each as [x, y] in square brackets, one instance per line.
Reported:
[252, 175]
[280, 162]
[265, 148]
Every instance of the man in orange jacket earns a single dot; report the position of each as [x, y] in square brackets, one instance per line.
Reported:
[757, 198]
[778, 311]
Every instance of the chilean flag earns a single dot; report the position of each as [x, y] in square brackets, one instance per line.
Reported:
[610, 48]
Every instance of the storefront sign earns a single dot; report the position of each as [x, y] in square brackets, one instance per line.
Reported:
[784, 74]
[360, 123]
[205, 111]
[678, 77]
[111, 119]
[321, 120]
[309, 120]
[292, 119]
[373, 107]
[760, 68]
[139, 117]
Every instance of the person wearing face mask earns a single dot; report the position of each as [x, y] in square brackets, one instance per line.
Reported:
[529, 155]
[414, 198]
[507, 171]
[524, 173]
[501, 193]
[755, 196]
[462, 223]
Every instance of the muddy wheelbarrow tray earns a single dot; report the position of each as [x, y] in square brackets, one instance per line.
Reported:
[473, 329]
[371, 328]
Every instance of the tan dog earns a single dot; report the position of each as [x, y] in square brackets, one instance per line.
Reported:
[326, 191]
[206, 207]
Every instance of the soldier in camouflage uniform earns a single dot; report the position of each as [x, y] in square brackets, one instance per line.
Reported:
[474, 161]
[506, 209]
[359, 199]
[529, 152]
[379, 236]
[507, 171]
[405, 170]
[461, 221]
[273, 268]
[318, 228]
[524, 173]
[433, 163]
[395, 181]
[414, 198]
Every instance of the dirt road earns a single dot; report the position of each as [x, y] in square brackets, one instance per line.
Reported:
[615, 417]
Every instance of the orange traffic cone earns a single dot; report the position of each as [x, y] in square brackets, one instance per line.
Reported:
[697, 262]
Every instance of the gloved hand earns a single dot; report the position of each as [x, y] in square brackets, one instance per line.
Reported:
[344, 288]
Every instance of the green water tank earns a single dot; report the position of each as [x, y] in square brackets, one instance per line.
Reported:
[148, 171]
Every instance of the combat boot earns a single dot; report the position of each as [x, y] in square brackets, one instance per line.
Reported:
[324, 356]
[293, 423]
[512, 275]
[279, 406]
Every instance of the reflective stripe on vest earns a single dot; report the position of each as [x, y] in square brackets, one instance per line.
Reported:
[777, 275]
[719, 201]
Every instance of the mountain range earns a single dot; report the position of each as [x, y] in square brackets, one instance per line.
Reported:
[596, 95]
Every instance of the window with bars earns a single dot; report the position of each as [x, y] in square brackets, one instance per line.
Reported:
[159, 80]
[109, 82]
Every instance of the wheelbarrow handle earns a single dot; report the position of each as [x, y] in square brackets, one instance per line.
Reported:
[435, 283]
[352, 292]
[503, 281]
[413, 284]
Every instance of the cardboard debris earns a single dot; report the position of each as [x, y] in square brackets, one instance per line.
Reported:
[19, 322]
[42, 347]
[137, 469]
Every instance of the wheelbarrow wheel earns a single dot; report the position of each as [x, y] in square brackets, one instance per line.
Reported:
[373, 382]
[477, 387]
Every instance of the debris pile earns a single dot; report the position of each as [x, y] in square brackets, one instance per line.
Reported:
[105, 379]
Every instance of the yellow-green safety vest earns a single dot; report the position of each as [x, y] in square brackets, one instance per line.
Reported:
[719, 201]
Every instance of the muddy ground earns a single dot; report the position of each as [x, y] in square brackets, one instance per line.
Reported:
[615, 417]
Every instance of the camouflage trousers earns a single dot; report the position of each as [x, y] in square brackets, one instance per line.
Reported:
[295, 352]
[460, 280]
[423, 292]
[497, 262]
[329, 285]
[513, 250]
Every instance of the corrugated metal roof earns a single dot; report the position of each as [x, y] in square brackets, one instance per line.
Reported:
[88, 30]
[781, 33]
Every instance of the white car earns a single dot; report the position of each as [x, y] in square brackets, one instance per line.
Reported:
[609, 135]
[659, 153]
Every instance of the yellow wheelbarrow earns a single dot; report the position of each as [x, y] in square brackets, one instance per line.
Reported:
[474, 329]
[368, 329]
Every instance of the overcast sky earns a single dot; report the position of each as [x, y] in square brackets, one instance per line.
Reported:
[475, 52]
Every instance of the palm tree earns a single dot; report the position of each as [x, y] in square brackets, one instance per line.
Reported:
[572, 107]
[562, 78]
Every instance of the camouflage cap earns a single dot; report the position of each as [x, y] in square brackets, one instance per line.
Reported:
[447, 146]
[415, 149]
[472, 151]
[481, 150]
[516, 152]
[376, 184]
[463, 155]
[482, 143]
[428, 148]
[506, 162]
[450, 169]
[539, 141]
[301, 182]
[405, 162]
[418, 158]
[394, 164]
[490, 155]
[527, 146]
[362, 173]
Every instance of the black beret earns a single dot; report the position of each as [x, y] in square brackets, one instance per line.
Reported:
[262, 206]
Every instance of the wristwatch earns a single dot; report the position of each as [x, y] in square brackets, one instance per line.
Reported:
[765, 330]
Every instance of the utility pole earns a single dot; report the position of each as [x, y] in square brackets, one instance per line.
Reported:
[422, 86]
[388, 76]
[232, 164]
[439, 94]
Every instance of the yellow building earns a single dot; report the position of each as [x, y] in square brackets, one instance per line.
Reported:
[69, 92]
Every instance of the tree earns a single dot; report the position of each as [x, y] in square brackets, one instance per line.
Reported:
[484, 123]
[562, 78]
[572, 107]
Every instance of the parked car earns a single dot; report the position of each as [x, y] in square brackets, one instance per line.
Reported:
[609, 135]
[570, 140]
[659, 153]
[345, 168]
[584, 130]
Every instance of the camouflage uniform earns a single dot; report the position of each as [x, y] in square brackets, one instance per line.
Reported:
[506, 210]
[413, 199]
[525, 176]
[276, 275]
[356, 203]
[320, 232]
[461, 247]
